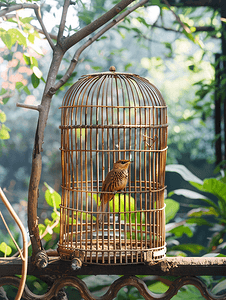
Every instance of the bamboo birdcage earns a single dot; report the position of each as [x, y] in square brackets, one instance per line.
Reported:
[106, 117]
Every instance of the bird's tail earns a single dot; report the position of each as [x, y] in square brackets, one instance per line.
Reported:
[101, 208]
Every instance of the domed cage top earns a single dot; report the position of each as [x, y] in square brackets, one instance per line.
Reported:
[108, 117]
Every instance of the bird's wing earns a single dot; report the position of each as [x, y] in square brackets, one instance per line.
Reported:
[108, 181]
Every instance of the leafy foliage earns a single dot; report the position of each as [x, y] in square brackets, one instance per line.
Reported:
[207, 207]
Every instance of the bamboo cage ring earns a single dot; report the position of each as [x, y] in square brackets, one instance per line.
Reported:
[109, 117]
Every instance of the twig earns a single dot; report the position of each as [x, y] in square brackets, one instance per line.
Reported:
[38, 15]
[41, 236]
[28, 106]
[63, 20]
[24, 257]
[186, 28]
[7, 228]
[75, 58]
[197, 28]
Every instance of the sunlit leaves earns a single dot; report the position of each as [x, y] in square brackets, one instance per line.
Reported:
[37, 74]
[200, 215]
[171, 209]
[179, 231]
[52, 197]
[4, 130]
[11, 36]
[5, 249]
[2, 116]
[158, 287]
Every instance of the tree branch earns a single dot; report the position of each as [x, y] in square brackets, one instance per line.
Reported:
[38, 15]
[17, 7]
[197, 28]
[84, 32]
[186, 28]
[75, 58]
[63, 20]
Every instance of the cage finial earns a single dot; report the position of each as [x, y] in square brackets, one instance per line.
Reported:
[112, 69]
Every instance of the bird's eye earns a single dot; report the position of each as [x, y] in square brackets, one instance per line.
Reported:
[123, 162]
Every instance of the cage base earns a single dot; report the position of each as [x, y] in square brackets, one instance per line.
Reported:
[111, 253]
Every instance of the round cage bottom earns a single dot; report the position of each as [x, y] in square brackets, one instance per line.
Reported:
[112, 251]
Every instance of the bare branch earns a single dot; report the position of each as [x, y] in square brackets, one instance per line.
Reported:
[28, 106]
[75, 58]
[186, 28]
[84, 32]
[5, 11]
[197, 28]
[63, 20]
[39, 17]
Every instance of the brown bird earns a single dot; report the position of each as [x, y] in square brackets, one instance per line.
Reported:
[115, 180]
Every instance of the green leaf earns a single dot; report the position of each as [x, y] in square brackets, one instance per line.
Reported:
[7, 39]
[5, 249]
[41, 228]
[34, 62]
[171, 209]
[52, 197]
[55, 215]
[27, 91]
[180, 230]
[215, 187]
[199, 222]
[26, 20]
[31, 38]
[102, 38]
[193, 248]
[155, 2]
[27, 59]
[96, 68]
[19, 86]
[123, 203]
[2, 116]
[188, 293]
[37, 72]
[221, 286]
[127, 66]
[17, 36]
[35, 80]
[199, 212]
[184, 172]
[4, 132]
[158, 287]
